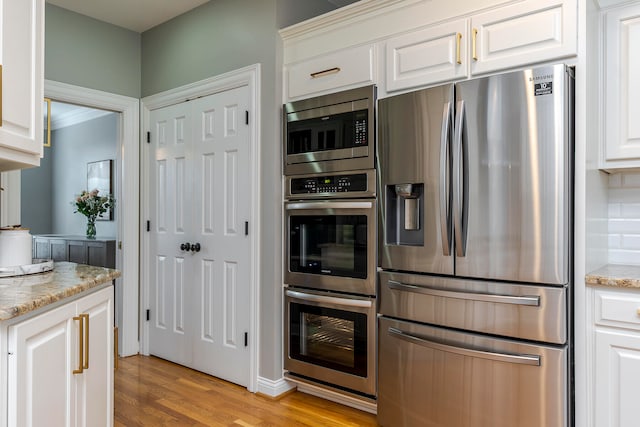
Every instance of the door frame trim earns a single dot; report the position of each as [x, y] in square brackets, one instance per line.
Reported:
[127, 208]
[248, 76]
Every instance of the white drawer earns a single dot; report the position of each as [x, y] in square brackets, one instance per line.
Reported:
[334, 71]
[617, 308]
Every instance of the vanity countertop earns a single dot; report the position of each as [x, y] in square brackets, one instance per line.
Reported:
[22, 294]
[621, 276]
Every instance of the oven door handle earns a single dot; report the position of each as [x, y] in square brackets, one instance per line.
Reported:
[501, 299]
[329, 205]
[522, 359]
[329, 300]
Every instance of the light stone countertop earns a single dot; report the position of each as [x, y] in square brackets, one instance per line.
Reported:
[21, 294]
[621, 276]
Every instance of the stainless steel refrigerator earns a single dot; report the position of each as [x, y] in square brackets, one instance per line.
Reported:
[475, 231]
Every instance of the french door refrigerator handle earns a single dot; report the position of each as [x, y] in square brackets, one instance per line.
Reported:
[459, 165]
[445, 231]
[521, 359]
[500, 299]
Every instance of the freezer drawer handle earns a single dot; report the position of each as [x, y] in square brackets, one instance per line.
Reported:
[501, 299]
[329, 205]
[329, 300]
[522, 359]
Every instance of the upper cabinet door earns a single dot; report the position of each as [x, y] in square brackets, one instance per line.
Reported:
[431, 55]
[523, 33]
[622, 87]
[21, 56]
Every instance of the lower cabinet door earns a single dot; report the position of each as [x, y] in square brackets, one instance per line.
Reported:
[429, 376]
[60, 370]
[617, 376]
[95, 385]
[43, 352]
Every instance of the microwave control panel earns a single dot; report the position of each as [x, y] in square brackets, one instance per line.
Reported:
[360, 132]
[329, 184]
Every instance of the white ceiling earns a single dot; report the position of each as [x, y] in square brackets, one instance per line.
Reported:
[136, 15]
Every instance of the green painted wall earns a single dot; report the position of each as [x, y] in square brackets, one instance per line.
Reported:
[86, 52]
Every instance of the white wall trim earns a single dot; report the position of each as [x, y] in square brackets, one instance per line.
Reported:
[127, 207]
[248, 76]
[274, 388]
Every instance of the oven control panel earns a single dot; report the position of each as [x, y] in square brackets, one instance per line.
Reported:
[348, 183]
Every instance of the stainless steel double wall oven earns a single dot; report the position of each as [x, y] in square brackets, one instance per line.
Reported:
[330, 241]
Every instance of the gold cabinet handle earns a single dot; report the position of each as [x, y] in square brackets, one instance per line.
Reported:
[47, 142]
[80, 345]
[86, 340]
[458, 42]
[323, 73]
[474, 44]
[638, 311]
[0, 95]
[115, 347]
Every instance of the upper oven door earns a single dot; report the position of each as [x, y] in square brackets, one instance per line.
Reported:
[330, 133]
[330, 245]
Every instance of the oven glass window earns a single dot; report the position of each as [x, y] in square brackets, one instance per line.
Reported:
[335, 245]
[346, 130]
[335, 339]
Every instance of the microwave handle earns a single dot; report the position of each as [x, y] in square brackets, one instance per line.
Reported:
[522, 359]
[329, 300]
[329, 205]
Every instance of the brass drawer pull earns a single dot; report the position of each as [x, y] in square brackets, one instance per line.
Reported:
[458, 41]
[80, 345]
[86, 340]
[323, 73]
[474, 44]
[0, 95]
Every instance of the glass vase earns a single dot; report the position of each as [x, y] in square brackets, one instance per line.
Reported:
[91, 227]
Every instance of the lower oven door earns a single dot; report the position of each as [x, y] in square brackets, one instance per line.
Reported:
[431, 376]
[330, 338]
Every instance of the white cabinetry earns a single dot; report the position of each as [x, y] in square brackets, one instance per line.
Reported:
[622, 87]
[617, 357]
[523, 33]
[21, 57]
[60, 369]
[339, 70]
[431, 55]
[505, 37]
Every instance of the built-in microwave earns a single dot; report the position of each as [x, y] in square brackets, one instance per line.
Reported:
[329, 133]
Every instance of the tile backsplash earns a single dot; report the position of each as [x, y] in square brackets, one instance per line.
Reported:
[624, 218]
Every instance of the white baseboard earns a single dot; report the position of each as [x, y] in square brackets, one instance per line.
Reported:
[274, 388]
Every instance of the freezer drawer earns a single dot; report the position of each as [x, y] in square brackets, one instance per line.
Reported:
[432, 376]
[521, 311]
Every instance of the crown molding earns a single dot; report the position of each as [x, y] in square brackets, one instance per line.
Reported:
[342, 17]
[74, 117]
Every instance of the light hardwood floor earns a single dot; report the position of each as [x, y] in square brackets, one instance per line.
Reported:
[153, 392]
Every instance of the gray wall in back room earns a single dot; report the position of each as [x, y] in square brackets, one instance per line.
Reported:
[75, 146]
[36, 196]
[52, 189]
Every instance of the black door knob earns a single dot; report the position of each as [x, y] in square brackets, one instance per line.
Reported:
[195, 247]
[185, 247]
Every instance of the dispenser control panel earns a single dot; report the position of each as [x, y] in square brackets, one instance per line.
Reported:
[330, 184]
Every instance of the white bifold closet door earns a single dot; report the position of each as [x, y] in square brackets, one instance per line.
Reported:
[200, 194]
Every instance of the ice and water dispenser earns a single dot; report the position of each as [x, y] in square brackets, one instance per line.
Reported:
[404, 216]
